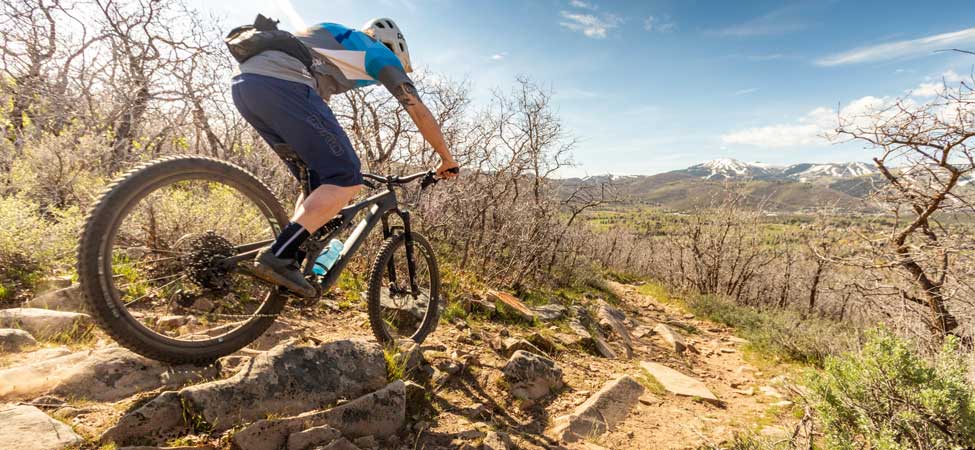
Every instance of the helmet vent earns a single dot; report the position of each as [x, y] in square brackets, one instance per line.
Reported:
[390, 24]
[380, 25]
[401, 48]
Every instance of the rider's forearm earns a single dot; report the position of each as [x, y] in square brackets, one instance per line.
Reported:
[424, 120]
[430, 129]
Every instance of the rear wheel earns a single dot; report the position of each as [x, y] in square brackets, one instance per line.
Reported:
[395, 311]
[151, 252]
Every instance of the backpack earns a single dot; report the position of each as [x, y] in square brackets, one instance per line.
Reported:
[247, 41]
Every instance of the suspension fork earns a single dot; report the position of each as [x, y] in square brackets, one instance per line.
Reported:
[391, 265]
[410, 261]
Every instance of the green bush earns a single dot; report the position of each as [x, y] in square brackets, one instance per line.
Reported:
[889, 397]
[784, 333]
[32, 245]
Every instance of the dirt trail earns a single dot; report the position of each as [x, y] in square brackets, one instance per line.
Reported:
[660, 421]
[470, 396]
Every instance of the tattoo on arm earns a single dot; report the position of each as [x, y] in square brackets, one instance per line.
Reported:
[407, 95]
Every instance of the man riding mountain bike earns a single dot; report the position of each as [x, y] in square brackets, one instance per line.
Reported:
[281, 91]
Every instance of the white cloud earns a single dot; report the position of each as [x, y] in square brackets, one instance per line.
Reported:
[811, 129]
[746, 91]
[933, 88]
[583, 5]
[901, 49]
[499, 56]
[589, 24]
[662, 25]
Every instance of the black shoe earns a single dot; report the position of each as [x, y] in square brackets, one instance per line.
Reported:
[283, 272]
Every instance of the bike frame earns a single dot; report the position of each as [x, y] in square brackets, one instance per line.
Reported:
[376, 209]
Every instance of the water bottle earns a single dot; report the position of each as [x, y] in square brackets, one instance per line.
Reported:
[328, 257]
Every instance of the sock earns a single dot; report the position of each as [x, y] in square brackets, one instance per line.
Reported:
[287, 243]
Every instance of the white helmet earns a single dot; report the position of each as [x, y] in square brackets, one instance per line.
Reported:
[385, 31]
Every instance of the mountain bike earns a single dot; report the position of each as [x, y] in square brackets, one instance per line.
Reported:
[165, 256]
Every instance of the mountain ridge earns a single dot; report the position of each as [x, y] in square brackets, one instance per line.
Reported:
[795, 187]
[730, 169]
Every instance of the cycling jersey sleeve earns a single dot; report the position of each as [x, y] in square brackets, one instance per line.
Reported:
[393, 77]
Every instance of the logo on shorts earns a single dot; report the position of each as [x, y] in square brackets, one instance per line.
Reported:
[323, 130]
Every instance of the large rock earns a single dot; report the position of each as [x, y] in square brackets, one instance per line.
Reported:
[673, 339]
[105, 375]
[531, 376]
[406, 309]
[612, 319]
[511, 345]
[289, 380]
[13, 340]
[541, 341]
[511, 303]
[28, 428]
[43, 323]
[601, 347]
[161, 418]
[380, 414]
[680, 384]
[40, 376]
[286, 380]
[113, 373]
[579, 336]
[601, 412]
[66, 299]
[550, 312]
[312, 437]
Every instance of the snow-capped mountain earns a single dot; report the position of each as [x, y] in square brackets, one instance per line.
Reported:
[812, 172]
[732, 169]
[727, 169]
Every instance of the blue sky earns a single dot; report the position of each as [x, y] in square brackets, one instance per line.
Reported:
[652, 86]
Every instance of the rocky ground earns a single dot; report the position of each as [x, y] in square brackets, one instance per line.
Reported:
[638, 374]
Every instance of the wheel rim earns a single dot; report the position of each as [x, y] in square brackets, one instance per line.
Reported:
[404, 314]
[162, 256]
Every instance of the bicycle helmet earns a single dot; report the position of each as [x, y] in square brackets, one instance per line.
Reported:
[385, 30]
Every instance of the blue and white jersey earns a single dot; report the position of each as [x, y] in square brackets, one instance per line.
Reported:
[347, 59]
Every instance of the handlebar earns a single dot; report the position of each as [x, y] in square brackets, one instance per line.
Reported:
[428, 178]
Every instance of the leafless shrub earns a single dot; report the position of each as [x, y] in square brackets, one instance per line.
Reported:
[926, 154]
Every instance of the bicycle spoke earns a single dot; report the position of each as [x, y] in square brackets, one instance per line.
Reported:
[152, 293]
[149, 281]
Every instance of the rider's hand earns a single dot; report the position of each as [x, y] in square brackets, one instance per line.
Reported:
[443, 170]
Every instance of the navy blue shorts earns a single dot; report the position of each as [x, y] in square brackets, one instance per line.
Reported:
[293, 113]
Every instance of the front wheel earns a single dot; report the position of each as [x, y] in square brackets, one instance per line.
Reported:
[401, 306]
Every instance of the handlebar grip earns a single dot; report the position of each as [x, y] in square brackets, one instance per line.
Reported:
[454, 170]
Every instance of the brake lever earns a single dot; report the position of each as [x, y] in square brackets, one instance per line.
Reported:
[428, 180]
